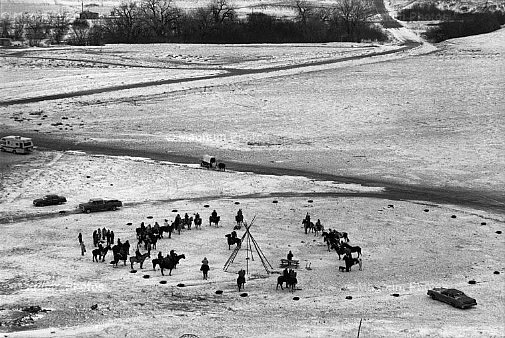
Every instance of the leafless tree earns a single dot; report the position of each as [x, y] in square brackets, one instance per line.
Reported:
[80, 28]
[222, 11]
[160, 16]
[20, 23]
[5, 26]
[60, 25]
[354, 14]
[36, 29]
[126, 21]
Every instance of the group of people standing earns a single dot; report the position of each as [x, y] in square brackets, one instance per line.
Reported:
[103, 235]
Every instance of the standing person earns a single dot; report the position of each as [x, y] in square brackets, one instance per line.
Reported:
[94, 238]
[99, 234]
[80, 237]
[104, 233]
[83, 248]
[112, 237]
[205, 268]
[170, 230]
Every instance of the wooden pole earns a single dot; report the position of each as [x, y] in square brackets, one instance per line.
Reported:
[359, 328]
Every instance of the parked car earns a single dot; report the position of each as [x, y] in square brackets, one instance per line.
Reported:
[99, 204]
[452, 297]
[49, 200]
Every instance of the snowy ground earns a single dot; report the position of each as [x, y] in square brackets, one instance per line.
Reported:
[407, 247]
[425, 120]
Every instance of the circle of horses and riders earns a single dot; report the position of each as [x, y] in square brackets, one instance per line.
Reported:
[230, 259]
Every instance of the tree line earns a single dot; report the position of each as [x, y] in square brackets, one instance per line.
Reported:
[159, 21]
[453, 24]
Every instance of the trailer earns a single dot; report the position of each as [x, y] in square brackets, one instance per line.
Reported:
[16, 144]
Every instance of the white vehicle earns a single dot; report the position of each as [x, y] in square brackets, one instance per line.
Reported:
[16, 144]
[208, 162]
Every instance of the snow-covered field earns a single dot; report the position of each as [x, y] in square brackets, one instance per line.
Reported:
[407, 249]
[426, 120]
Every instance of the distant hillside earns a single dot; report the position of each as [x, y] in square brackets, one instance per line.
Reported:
[105, 6]
[455, 5]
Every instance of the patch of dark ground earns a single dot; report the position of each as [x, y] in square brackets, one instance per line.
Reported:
[492, 201]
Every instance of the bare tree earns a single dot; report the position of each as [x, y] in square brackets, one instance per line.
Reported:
[125, 21]
[5, 26]
[304, 10]
[161, 17]
[60, 25]
[222, 11]
[80, 28]
[354, 14]
[20, 23]
[36, 29]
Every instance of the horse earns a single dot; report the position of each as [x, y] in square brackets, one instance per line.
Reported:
[169, 263]
[120, 253]
[307, 225]
[221, 166]
[214, 220]
[232, 240]
[240, 282]
[140, 259]
[187, 222]
[239, 218]
[289, 280]
[318, 227]
[100, 254]
[352, 248]
[350, 261]
[198, 222]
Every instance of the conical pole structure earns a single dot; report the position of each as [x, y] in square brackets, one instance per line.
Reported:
[263, 258]
[249, 238]
[237, 248]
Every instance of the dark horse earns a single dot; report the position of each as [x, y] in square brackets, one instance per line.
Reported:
[221, 166]
[140, 259]
[240, 282]
[352, 248]
[308, 226]
[232, 239]
[99, 254]
[214, 220]
[169, 263]
[290, 282]
[120, 253]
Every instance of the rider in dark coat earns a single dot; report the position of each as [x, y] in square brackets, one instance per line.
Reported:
[290, 255]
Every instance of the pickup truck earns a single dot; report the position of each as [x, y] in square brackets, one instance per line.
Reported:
[99, 204]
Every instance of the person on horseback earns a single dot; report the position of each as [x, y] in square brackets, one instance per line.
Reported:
[177, 219]
[290, 255]
[186, 218]
[214, 214]
[285, 273]
[318, 224]
[137, 253]
[307, 218]
[173, 256]
[160, 256]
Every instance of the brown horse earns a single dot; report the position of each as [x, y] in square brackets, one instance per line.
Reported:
[140, 259]
[169, 263]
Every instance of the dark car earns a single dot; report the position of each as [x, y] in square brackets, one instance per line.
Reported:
[99, 204]
[49, 200]
[452, 297]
